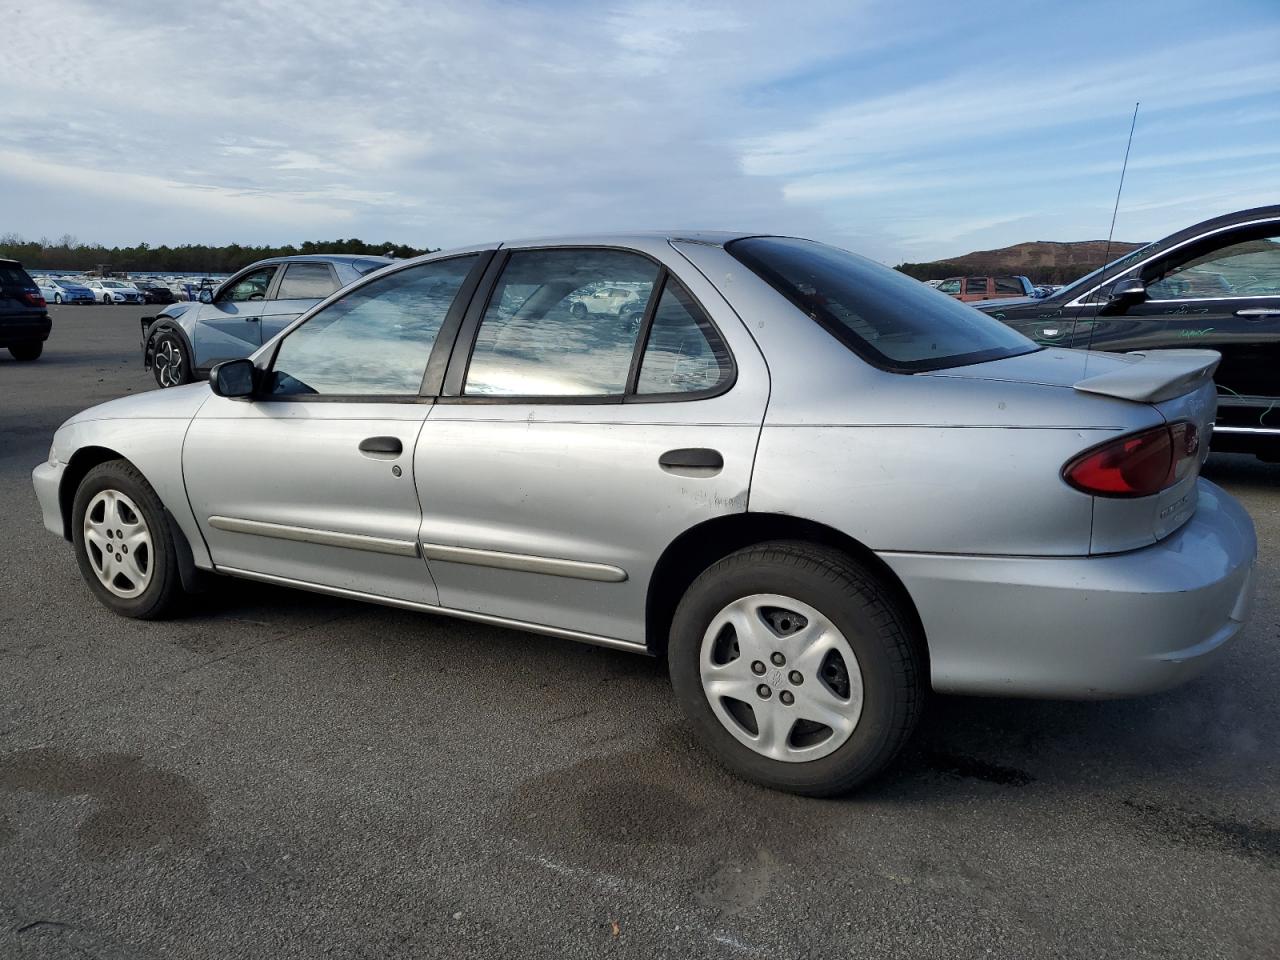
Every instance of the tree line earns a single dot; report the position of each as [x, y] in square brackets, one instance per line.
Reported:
[69, 254]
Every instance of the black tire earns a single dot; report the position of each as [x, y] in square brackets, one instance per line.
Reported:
[168, 340]
[57, 298]
[163, 596]
[882, 637]
[578, 309]
[26, 351]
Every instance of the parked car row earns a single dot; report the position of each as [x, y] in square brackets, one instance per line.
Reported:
[104, 290]
[817, 488]
[116, 290]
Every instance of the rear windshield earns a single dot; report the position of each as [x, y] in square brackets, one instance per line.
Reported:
[13, 277]
[886, 317]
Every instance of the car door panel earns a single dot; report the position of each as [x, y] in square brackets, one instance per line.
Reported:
[224, 331]
[282, 488]
[582, 484]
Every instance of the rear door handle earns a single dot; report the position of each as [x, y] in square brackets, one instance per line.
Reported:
[383, 445]
[694, 461]
[1258, 313]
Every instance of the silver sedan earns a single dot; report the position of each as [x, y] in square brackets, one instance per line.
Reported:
[819, 488]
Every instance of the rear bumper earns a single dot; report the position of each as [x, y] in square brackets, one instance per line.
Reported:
[31, 330]
[1088, 627]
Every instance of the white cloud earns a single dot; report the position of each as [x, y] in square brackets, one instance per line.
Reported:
[464, 120]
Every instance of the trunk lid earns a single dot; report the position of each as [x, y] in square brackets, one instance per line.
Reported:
[1178, 384]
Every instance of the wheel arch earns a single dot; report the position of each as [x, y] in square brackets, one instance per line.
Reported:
[78, 467]
[699, 547]
[167, 325]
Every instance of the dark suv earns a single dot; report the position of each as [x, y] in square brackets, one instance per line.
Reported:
[24, 317]
[1214, 285]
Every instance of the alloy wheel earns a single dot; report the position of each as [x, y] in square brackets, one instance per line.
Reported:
[118, 543]
[168, 363]
[781, 677]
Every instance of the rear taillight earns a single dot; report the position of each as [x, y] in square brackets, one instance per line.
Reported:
[1138, 465]
[32, 299]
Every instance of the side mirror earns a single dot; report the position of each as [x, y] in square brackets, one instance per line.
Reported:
[206, 295]
[233, 378]
[1123, 294]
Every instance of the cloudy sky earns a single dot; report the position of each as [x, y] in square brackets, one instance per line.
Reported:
[901, 130]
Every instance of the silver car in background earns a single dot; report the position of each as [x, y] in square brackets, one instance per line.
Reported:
[816, 486]
[111, 292]
[184, 340]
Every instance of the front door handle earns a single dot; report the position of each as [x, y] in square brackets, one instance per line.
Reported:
[692, 461]
[382, 445]
[1258, 313]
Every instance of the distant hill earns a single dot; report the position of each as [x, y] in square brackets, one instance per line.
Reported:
[1044, 261]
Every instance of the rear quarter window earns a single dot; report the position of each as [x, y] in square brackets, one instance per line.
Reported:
[887, 318]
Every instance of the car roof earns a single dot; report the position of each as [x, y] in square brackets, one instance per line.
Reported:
[324, 258]
[716, 238]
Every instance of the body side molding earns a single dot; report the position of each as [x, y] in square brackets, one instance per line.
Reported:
[328, 538]
[526, 563]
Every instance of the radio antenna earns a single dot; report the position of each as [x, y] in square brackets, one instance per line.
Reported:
[1106, 255]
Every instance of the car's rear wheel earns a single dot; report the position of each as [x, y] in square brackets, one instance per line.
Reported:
[26, 351]
[797, 667]
[124, 544]
[169, 362]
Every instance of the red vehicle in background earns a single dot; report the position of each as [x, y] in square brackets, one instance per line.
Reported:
[987, 288]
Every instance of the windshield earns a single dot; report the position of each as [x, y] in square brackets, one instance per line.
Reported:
[886, 317]
[111, 283]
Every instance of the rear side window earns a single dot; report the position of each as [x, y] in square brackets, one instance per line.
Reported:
[887, 318]
[306, 281]
[684, 353]
[1009, 285]
[552, 330]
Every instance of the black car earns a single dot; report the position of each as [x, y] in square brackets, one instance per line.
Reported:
[153, 292]
[1215, 286]
[24, 317]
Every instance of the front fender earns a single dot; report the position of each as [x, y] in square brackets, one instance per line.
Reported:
[152, 445]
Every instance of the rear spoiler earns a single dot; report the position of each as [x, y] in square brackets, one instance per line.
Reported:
[1155, 376]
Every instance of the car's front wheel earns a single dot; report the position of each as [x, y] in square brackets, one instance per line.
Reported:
[57, 298]
[26, 351]
[797, 667]
[169, 362]
[124, 544]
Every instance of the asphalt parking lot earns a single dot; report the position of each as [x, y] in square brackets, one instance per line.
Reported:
[287, 775]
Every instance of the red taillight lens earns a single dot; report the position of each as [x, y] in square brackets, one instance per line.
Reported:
[33, 299]
[1138, 465]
